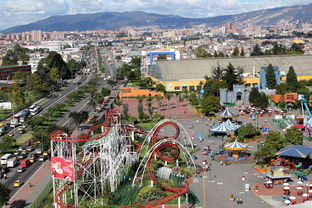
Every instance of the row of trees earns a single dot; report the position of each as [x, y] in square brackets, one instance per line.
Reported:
[202, 53]
[295, 48]
[17, 53]
[48, 77]
[275, 141]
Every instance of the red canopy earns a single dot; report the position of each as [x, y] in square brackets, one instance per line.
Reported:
[299, 126]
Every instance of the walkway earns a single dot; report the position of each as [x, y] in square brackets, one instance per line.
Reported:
[27, 195]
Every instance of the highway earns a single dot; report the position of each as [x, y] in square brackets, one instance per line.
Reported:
[13, 175]
[63, 121]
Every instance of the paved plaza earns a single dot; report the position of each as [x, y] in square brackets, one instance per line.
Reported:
[214, 187]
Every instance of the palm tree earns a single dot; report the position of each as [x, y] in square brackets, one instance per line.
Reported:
[168, 96]
[159, 101]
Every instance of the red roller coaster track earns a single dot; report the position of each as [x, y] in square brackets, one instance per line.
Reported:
[177, 191]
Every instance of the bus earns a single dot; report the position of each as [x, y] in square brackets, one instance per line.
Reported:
[34, 109]
[5, 158]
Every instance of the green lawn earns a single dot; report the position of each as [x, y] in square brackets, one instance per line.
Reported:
[147, 126]
[23, 138]
[43, 101]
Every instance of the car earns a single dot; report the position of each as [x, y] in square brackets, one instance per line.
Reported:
[24, 152]
[21, 129]
[32, 160]
[45, 154]
[21, 156]
[29, 148]
[4, 169]
[20, 169]
[11, 134]
[16, 153]
[18, 183]
[42, 158]
[38, 151]
[21, 148]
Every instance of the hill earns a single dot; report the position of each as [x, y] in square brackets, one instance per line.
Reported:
[116, 20]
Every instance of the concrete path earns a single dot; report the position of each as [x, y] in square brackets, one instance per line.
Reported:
[27, 195]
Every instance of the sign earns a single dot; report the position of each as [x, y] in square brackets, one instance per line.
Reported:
[6, 105]
[63, 168]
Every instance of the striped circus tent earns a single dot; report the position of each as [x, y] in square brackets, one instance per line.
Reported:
[227, 114]
[230, 124]
[224, 127]
[235, 146]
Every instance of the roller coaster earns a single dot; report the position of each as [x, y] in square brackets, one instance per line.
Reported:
[84, 167]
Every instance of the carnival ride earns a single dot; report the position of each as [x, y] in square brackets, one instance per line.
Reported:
[84, 167]
[308, 118]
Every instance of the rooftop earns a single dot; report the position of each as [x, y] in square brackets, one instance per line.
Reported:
[197, 69]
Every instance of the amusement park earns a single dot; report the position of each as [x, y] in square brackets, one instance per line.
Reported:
[186, 162]
[145, 147]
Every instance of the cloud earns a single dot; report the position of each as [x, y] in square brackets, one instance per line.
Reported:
[17, 12]
[87, 6]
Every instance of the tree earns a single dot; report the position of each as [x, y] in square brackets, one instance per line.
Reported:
[125, 109]
[217, 73]
[272, 144]
[247, 131]
[4, 194]
[5, 143]
[54, 74]
[256, 51]
[79, 117]
[297, 48]
[201, 53]
[20, 77]
[294, 136]
[159, 100]
[140, 111]
[232, 76]
[281, 89]
[150, 111]
[210, 105]
[291, 80]
[194, 99]
[212, 87]
[257, 99]
[160, 88]
[242, 53]
[270, 77]
[105, 92]
[17, 95]
[53, 60]
[235, 52]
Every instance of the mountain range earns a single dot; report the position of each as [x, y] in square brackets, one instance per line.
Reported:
[117, 20]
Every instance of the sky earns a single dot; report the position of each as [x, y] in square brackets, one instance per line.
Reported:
[18, 12]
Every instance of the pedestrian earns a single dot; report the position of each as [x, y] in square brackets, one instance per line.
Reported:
[221, 162]
[195, 158]
[29, 185]
[5, 176]
[197, 121]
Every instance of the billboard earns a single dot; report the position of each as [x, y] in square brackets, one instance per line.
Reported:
[63, 168]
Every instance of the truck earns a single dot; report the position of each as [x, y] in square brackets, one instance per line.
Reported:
[25, 163]
[18, 118]
[4, 159]
[15, 121]
[12, 162]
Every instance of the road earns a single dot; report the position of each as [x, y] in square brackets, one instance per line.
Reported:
[63, 121]
[61, 96]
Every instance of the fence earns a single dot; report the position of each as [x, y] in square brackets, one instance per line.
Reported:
[44, 194]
